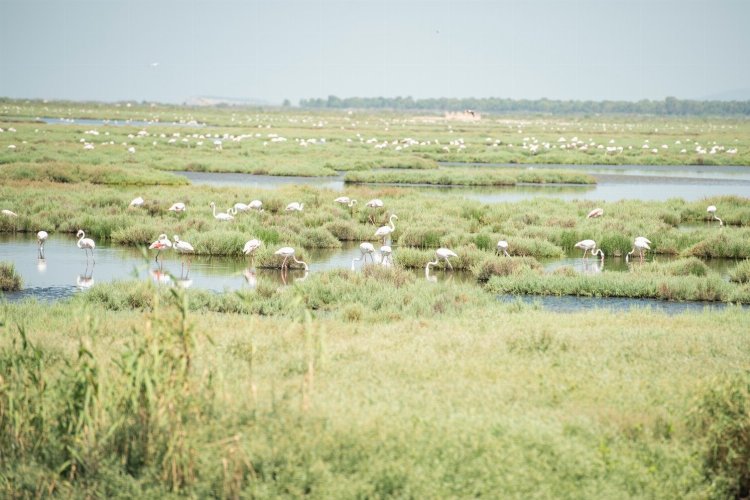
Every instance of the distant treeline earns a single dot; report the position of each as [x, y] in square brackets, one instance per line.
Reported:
[668, 106]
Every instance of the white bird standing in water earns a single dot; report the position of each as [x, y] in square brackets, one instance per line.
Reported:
[86, 244]
[385, 231]
[441, 254]
[502, 248]
[386, 253]
[183, 248]
[366, 249]
[250, 247]
[221, 216]
[712, 210]
[162, 243]
[287, 252]
[589, 246]
[41, 238]
[641, 244]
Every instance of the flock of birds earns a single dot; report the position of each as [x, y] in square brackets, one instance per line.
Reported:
[641, 244]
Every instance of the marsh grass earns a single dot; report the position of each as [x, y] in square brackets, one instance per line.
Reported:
[347, 402]
[741, 272]
[452, 176]
[663, 286]
[10, 280]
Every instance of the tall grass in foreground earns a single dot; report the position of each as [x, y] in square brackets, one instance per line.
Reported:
[103, 403]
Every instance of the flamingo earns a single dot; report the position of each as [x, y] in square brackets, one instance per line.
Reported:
[183, 248]
[385, 231]
[162, 243]
[641, 243]
[250, 247]
[344, 200]
[136, 202]
[41, 237]
[295, 206]
[255, 205]
[240, 207]
[221, 216]
[9, 213]
[597, 212]
[589, 246]
[366, 249]
[374, 203]
[386, 253]
[287, 252]
[177, 207]
[502, 247]
[441, 254]
[86, 244]
[712, 210]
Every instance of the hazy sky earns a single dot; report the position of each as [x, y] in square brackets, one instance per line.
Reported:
[272, 50]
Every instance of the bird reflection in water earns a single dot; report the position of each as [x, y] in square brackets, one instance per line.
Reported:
[160, 277]
[86, 280]
[284, 275]
[250, 277]
[593, 267]
[41, 265]
[184, 282]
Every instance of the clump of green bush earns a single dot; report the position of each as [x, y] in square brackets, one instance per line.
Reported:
[10, 280]
[722, 417]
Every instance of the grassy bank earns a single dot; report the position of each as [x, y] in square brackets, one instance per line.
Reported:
[469, 177]
[109, 402]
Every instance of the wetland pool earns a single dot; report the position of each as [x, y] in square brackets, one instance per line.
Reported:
[65, 271]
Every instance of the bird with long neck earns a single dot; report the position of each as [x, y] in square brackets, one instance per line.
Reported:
[641, 244]
[249, 249]
[288, 252]
[441, 254]
[385, 231]
[589, 246]
[502, 248]
[184, 249]
[221, 216]
[41, 238]
[712, 210]
[162, 243]
[365, 249]
[86, 244]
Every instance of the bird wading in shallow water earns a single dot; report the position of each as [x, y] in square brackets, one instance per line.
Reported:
[185, 249]
[87, 244]
[385, 231]
[161, 243]
[641, 244]
[712, 210]
[41, 238]
[589, 246]
[366, 249]
[288, 252]
[443, 254]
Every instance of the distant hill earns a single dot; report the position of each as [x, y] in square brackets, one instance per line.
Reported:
[208, 100]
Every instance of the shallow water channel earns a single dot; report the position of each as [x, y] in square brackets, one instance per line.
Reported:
[65, 271]
[614, 185]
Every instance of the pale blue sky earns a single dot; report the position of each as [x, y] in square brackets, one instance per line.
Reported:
[271, 50]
